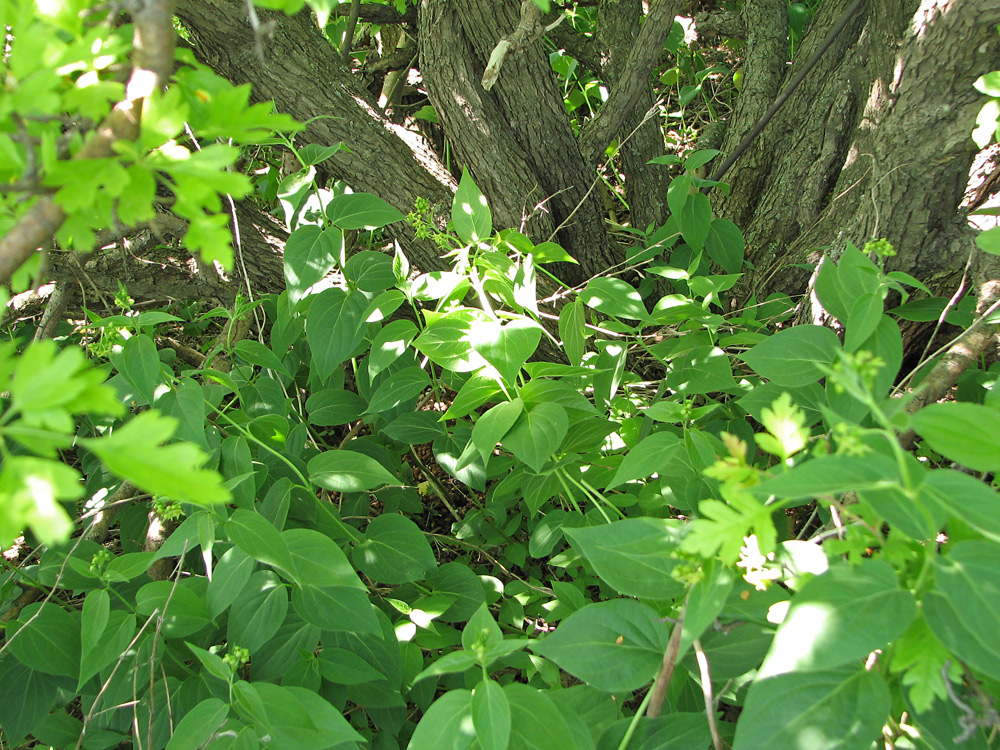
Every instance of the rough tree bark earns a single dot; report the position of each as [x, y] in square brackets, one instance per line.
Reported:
[874, 143]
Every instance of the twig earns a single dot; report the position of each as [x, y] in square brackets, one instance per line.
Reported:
[352, 24]
[662, 681]
[706, 690]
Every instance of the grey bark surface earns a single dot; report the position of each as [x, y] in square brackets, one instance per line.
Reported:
[874, 143]
[300, 72]
[646, 184]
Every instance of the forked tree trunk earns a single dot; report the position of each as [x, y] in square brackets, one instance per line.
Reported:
[874, 143]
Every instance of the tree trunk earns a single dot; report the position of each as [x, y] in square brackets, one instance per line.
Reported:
[874, 143]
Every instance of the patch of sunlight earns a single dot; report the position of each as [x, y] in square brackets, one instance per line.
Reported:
[805, 626]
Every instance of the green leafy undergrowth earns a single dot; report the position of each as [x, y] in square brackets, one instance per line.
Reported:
[724, 502]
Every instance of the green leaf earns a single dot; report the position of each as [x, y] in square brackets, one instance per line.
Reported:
[333, 608]
[133, 452]
[446, 724]
[301, 718]
[228, 579]
[348, 471]
[840, 617]
[343, 667]
[614, 297]
[964, 606]
[492, 426]
[653, 454]
[113, 642]
[370, 271]
[310, 254]
[335, 326]
[989, 241]
[254, 352]
[491, 715]
[964, 497]
[395, 551]
[537, 434]
[506, 347]
[791, 356]
[833, 709]
[536, 722]
[862, 320]
[26, 696]
[46, 638]
[550, 252]
[703, 369]
[361, 211]
[622, 632]
[258, 537]
[573, 331]
[389, 345]
[831, 475]
[405, 384]
[318, 561]
[139, 364]
[963, 432]
[415, 428]
[470, 215]
[725, 245]
[183, 610]
[259, 611]
[477, 390]
[678, 192]
[332, 407]
[198, 725]
[695, 220]
[31, 489]
[447, 342]
[633, 556]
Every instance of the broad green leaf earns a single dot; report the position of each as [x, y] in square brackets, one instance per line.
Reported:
[614, 297]
[114, 641]
[318, 561]
[653, 454]
[695, 220]
[550, 252]
[332, 407]
[335, 326]
[963, 432]
[182, 609]
[415, 428]
[964, 606]
[790, 356]
[470, 215]
[389, 345]
[370, 271]
[198, 725]
[840, 617]
[31, 489]
[310, 254]
[348, 471]
[862, 320]
[258, 537]
[455, 661]
[573, 331]
[26, 696]
[831, 292]
[342, 667]
[446, 724]
[831, 475]
[673, 731]
[408, 383]
[536, 722]
[361, 211]
[476, 391]
[842, 709]
[703, 369]
[447, 342]
[491, 715]
[301, 718]
[622, 632]
[964, 497]
[94, 618]
[506, 347]
[133, 452]
[334, 608]
[228, 579]
[139, 364]
[918, 517]
[633, 556]
[395, 551]
[46, 638]
[254, 352]
[259, 611]
[491, 427]
[989, 241]
[678, 192]
[537, 434]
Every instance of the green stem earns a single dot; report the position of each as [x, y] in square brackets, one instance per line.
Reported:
[634, 724]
